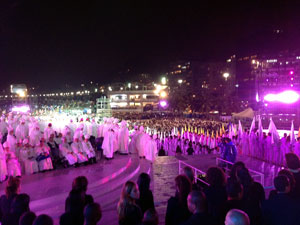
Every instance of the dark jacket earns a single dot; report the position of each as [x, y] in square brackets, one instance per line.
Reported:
[133, 215]
[200, 219]
[176, 213]
[281, 209]
[145, 201]
[5, 205]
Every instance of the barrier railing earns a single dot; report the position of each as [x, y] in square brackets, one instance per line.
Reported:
[226, 165]
[195, 170]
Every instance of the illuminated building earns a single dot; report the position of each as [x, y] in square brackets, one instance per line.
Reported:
[274, 76]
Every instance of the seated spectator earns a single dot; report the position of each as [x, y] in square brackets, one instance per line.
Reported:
[27, 218]
[237, 217]
[92, 214]
[253, 192]
[81, 184]
[216, 194]
[145, 201]
[291, 178]
[20, 205]
[190, 149]
[197, 205]
[293, 163]
[43, 220]
[281, 209]
[177, 209]
[178, 149]
[161, 151]
[11, 191]
[234, 196]
[74, 209]
[129, 212]
[150, 217]
[190, 174]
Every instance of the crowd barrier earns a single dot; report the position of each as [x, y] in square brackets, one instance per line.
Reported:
[258, 176]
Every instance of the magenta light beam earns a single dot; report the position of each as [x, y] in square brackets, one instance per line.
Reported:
[287, 97]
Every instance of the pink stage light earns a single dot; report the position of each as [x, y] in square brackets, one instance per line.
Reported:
[22, 109]
[287, 97]
[163, 104]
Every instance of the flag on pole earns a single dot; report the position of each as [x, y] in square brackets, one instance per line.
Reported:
[260, 128]
[274, 132]
[240, 131]
[292, 134]
[252, 127]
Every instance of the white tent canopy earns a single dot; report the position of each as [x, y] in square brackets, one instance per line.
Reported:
[248, 113]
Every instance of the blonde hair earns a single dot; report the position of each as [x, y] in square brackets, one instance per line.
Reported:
[125, 198]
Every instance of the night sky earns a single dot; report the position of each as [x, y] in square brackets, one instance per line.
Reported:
[52, 43]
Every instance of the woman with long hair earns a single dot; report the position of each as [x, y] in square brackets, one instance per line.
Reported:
[11, 191]
[129, 212]
[177, 209]
[145, 200]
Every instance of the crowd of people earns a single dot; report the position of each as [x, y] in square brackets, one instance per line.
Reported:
[230, 199]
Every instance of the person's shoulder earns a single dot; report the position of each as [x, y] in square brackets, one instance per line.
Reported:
[172, 200]
[89, 199]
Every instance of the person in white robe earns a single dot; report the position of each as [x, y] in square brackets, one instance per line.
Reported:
[88, 149]
[12, 164]
[22, 131]
[133, 137]
[67, 152]
[48, 130]
[77, 149]
[3, 126]
[151, 150]
[35, 136]
[67, 133]
[43, 156]
[93, 129]
[141, 142]
[28, 158]
[11, 139]
[123, 138]
[72, 126]
[3, 167]
[108, 144]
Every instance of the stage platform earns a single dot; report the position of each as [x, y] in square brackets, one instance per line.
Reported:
[49, 190]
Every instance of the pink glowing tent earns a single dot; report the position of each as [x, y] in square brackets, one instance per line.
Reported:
[248, 113]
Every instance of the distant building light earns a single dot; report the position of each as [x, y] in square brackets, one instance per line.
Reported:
[237, 85]
[291, 72]
[253, 61]
[136, 87]
[163, 81]
[271, 60]
[163, 94]
[228, 60]
[96, 90]
[121, 88]
[109, 88]
[180, 81]
[226, 75]
[129, 85]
